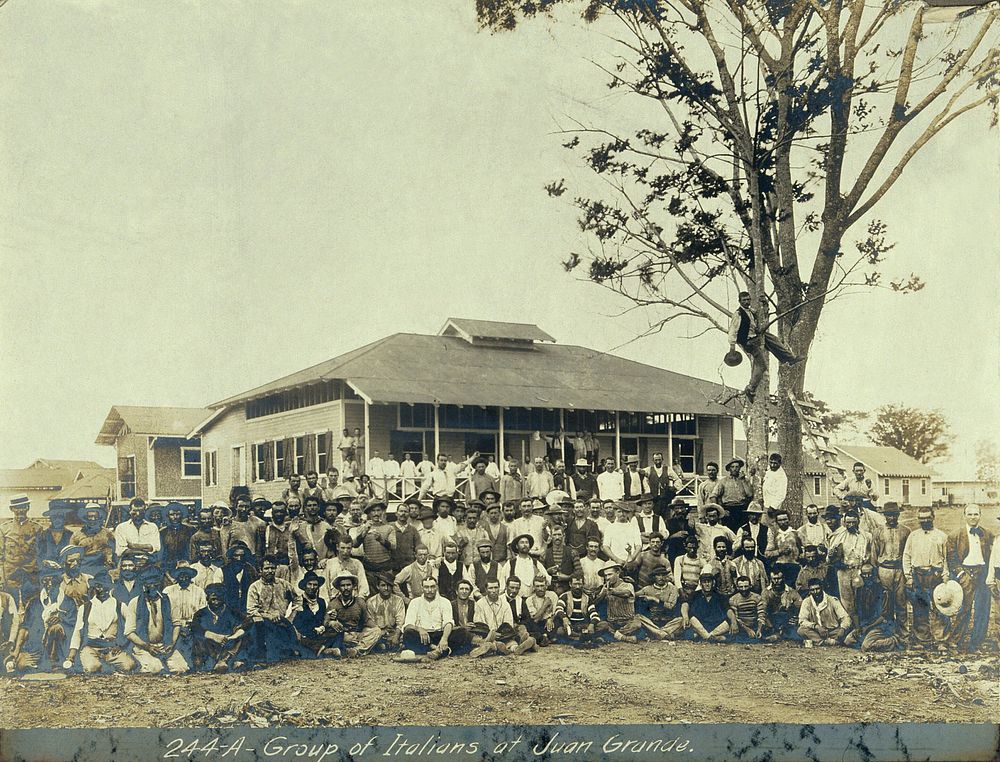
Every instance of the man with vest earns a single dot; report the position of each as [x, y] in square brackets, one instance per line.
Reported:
[98, 637]
[582, 483]
[969, 549]
[662, 483]
[484, 569]
[634, 482]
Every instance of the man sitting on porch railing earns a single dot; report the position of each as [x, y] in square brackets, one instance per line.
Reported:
[443, 480]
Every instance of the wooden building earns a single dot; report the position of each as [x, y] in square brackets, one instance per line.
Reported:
[477, 385]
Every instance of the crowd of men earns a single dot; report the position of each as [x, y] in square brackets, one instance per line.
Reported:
[582, 560]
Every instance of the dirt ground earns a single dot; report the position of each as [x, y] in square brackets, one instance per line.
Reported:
[619, 683]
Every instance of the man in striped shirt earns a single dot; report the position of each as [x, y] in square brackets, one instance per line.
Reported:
[576, 614]
[748, 610]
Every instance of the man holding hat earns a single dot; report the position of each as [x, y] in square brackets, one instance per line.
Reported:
[969, 549]
[218, 633]
[137, 533]
[887, 544]
[75, 583]
[95, 539]
[386, 611]
[149, 627]
[19, 540]
[734, 493]
[98, 637]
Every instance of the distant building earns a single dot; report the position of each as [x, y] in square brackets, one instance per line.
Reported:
[495, 388]
[963, 492]
[46, 480]
[156, 459]
[895, 475]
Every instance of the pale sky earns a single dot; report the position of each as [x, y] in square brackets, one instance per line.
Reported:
[201, 197]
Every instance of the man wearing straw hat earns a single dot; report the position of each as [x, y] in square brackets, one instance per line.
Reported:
[19, 540]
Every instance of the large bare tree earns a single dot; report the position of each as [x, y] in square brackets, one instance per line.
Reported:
[778, 126]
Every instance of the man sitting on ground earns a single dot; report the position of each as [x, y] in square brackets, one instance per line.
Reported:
[429, 622]
[707, 616]
[822, 618]
[659, 606]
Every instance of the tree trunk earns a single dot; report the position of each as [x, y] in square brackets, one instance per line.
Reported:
[791, 378]
[755, 421]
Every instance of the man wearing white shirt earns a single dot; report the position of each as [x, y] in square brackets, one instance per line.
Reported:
[492, 469]
[494, 612]
[610, 483]
[344, 561]
[622, 539]
[775, 485]
[539, 481]
[408, 470]
[425, 466]
[137, 534]
[392, 471]
[530, 523]
[376, 470]
[442, 480]
[429, 618]
[813, 531]
[969, 549]
[522, 565]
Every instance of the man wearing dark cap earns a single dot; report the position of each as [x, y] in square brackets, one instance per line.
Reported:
[734, 493]
[888, 544]
[98, 636]
[218, 633]
[483, 569]
[149, 627]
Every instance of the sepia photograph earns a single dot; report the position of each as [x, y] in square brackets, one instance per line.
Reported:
[500, 379]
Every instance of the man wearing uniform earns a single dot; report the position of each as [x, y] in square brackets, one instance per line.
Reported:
[19, 540]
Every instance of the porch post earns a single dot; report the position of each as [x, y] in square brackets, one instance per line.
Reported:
[562, 438]
[670, 441]
[437, 430]
[618, 440]
[368, 441]
[500, 452]
[721, 421]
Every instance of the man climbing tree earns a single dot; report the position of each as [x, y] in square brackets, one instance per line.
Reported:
[777, 127]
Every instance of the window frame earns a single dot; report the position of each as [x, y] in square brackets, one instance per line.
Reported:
[210, 468]
[185, 463]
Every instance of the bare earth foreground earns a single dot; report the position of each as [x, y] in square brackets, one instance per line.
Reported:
[620, 683]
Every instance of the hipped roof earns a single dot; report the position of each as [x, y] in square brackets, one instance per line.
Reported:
[417, 368]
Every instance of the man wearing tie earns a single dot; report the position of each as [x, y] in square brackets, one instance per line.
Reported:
[968, 559]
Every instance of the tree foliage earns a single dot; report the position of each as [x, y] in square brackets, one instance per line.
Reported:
[988, 461]
[921, 434]
[778, 128]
